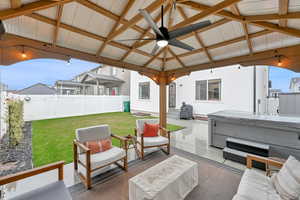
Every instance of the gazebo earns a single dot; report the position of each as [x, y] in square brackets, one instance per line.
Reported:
[245, 32]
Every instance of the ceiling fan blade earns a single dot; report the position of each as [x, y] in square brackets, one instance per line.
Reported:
[188, 29]
[150, 21]
[154, 50]
[180, 44]
[135, 39]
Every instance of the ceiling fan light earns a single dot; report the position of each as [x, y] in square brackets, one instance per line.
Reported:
[162, 43]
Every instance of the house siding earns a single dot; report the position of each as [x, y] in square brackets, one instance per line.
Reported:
[236, 90]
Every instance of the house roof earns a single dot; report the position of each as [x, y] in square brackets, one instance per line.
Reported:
[37, 89]
[294, 81]
[239, 28]
[103, 79]
[68, 82]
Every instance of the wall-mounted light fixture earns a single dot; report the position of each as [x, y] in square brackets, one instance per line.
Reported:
[23, 54]
[69, 60]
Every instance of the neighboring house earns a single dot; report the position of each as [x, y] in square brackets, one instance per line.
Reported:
[103, 80]
[226, 88]
[295, 84]
[274, 93]
[37, 89]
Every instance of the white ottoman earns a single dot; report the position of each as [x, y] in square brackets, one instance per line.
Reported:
[173, 178]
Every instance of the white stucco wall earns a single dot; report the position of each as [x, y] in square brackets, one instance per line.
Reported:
[236, 91]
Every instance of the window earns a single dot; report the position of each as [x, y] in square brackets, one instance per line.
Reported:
[214, 90]
[208, 90]
[144, 90]
[201, 90]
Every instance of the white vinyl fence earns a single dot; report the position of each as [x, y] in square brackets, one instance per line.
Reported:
[38, 107]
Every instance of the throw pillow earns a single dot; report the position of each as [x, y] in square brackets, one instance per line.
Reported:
[98, 146]
[151, 130]
[287, 181]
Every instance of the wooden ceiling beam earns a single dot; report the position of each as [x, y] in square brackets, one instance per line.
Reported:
[124, 12]
[29, 8]
[85, 33]
[283, 10]
[235, 10]
[164, 59]
[209, 11]
[287, 52]
[10, 40]
[138, 17]
[58, 21]
[198, 38]
[110, 15]
[15, 4]
[229, 15]
[275, 16]
[225, 43]
[137, 43]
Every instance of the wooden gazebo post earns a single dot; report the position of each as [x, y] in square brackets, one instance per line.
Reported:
[163, 100]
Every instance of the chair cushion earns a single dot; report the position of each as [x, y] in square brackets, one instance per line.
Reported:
[287, 181]
[151, 130]
[56, 190]
[103, 158]
[254, 186]
[154, 141]
[98, 145]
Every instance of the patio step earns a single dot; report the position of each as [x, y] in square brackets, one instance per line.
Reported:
[238, 149]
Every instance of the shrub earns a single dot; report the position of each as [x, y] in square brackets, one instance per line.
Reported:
[15, 121]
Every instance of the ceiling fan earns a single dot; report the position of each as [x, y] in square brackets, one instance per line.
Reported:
[165, 37]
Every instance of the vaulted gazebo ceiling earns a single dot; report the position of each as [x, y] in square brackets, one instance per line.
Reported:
[242, 31]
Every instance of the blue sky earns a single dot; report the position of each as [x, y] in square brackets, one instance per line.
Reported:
[24, 74]
[281, 78]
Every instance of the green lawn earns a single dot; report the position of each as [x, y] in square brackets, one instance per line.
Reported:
[52, 138]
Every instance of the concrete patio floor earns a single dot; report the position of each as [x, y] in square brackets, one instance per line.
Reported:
[193, 138]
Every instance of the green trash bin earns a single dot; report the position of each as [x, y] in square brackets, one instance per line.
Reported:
[126, 106]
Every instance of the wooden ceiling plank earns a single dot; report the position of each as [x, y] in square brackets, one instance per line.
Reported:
[154, 57]
[85, 33]
[176, 57]
[225, 43]
[124, 12]
[283, 10]
[235, 10]
[267, 25]
[164, 59]
[184, 16]
[110, 15]
[138, 17]
[15, 4]
[136, 44]
[58, 21]
[29, 8]
[209, 11]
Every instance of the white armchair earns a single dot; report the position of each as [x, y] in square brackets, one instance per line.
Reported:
[162, 140]
[93, 162]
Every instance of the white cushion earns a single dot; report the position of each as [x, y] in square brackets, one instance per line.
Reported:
[153, 141]
[103, 158]
[287, 181]
[256, 186]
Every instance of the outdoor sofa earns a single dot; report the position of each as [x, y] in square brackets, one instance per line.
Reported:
[56, 190]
